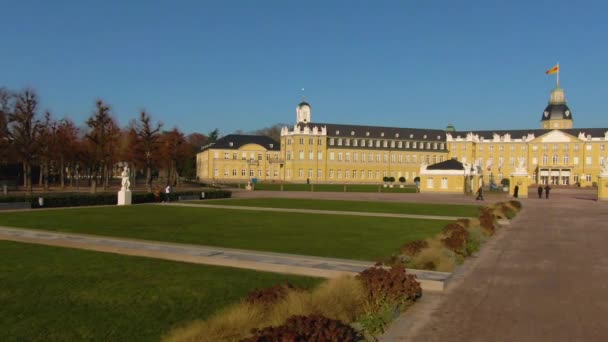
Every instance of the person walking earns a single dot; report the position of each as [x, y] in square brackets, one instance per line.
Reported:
[479, 194]
[168, 193]
[540, 191]
[547, 189]
[516, 191]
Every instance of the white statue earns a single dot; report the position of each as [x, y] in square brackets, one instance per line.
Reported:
[521, 168]
[125, 184]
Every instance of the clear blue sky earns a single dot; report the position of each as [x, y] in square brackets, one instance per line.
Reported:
[233, 65]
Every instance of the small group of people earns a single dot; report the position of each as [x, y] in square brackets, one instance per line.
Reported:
[547, 189]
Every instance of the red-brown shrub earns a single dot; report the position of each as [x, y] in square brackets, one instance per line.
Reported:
[269, 295]
[414, 247]
[457, 238]
[305, 329]
[486, 220]
[392, 286]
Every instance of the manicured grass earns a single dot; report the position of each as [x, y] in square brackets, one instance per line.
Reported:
[61, 294]
[334, 188]
[340, 236]
[360, 206]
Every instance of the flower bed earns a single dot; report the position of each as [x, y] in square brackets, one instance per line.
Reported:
[457, 241]
[343, 309]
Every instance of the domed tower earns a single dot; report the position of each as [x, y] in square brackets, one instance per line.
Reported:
[303, 112]
[557, 114]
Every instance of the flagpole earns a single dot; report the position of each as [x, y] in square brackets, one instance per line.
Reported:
[558, 74]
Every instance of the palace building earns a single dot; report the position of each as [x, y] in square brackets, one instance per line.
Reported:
[317, 152]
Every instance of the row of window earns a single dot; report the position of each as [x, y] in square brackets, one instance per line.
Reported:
[544, 147]
[252, 173]
[348, 174]
[369, 157]
[385, 143]
[430, 183]
[311, 141]
[252, 156]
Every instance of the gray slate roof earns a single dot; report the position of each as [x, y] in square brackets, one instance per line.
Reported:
[375, 132]
[518, 133]
[450, 164]
[239, 140]
[556, 111]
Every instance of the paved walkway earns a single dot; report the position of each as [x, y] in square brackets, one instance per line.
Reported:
[543, 278]
[314, 211]
[261, 261]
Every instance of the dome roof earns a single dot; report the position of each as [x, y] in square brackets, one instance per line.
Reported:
[556, 111]
[303, 103]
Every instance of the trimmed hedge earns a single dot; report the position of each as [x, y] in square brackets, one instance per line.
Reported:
[86, 199]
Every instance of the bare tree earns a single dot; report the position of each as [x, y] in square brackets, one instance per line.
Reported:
[102, 141]
[67, 148]
[6, 107]
[149, 143]
[24, 130]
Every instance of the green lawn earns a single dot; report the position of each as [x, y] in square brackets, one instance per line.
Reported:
[360, 206]
[61, 294]
[334, 188]
[340, 236]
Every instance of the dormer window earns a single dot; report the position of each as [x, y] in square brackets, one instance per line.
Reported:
[231, 144]
[381, 134]
[411, 136]
[337, 132]
[424, 136]
[396, 135]
[352, 132]
[271, 145]
[367, 134]
[439, 137]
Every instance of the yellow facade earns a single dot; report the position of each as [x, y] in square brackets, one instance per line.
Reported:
[331, 153]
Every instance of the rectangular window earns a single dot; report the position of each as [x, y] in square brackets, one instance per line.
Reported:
[392, 158]
[301, 155]
[234, 172]
[347, 156]
[216, 155]
[216, 172]
[288, 155]
[377, 174]
[331, 173]
[288, 141]
[444, 182]
[226, 155]
[363, 157]
[275, 173]
[340, 142]
[429, 183]
[354, 173]
[347, 174]
[377, 157]
[355, 157]
[311, 155]
[301, 141]
[346, 142]
[339, 156]
[385, 158]
[260, 156]
[267, 173]
[588, 178]
[309, 173]
[226, 172]
[244, 156]
[311, 141]
[300, 172]
[331, 142]
[251, 173]
[588, 160]
[355, 142]
[320, 142]
[370, 175]
[319, 173]
[319, 155]
[288, 173]
[400, 158]
[575, 160]
[235, 156]
[331, 156]
[339, 174]
[243, 172]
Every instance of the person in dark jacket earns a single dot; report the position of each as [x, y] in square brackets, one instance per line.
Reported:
[547, 189]
[516, 191]
[479, 194]
[540, 191]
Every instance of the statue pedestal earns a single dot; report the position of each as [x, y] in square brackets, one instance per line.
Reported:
[521, 180]
[124, 197]
[602, 187]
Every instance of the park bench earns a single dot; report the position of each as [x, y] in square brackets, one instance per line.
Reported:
[15, 205]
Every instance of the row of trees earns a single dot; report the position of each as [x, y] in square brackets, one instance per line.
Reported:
[64, 152]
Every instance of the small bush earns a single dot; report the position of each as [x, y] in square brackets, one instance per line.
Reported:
[475, 240]
[390, 286]
[435, 258]
[269, 296]
[465, 222]
[486, 220]
[307, 328]
[456, 238]
[515, 204]
[414, 247]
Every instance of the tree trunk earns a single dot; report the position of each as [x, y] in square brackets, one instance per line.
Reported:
[41, 175]
[149, 178]
[46, 177]
[61, 174]
[29, 177]
[25, 175]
